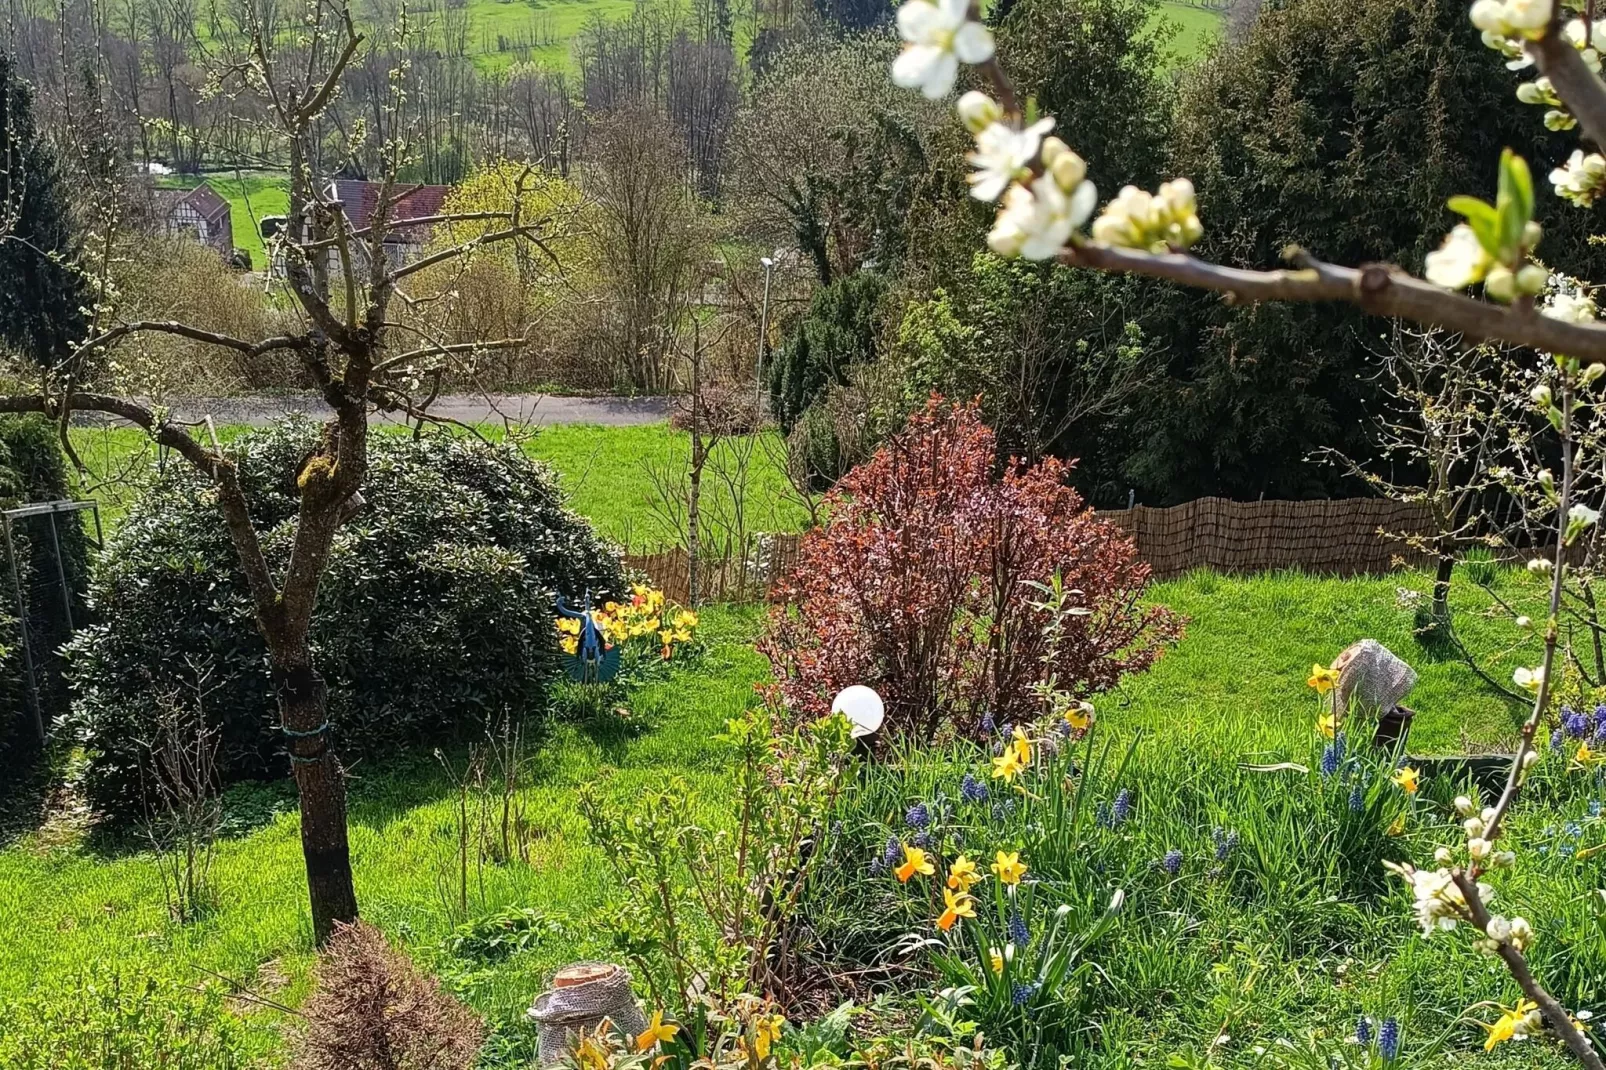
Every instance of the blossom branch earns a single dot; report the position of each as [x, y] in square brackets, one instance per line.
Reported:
[1578, 86]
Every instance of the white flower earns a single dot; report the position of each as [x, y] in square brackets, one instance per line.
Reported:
[1498, 929]
[1002, 154]
[1478, 848]
[1511, 18]
[1524, 623]
[1464, 805]
[1459, 262]
[1529, 679]
[1540, 564]
[1574, 308]
[1581, 179]
[1439, 904]
[978, 111]
[1155, 222]
[938, 37]
[1474, 827]
[1036, 223]
[1502, 858]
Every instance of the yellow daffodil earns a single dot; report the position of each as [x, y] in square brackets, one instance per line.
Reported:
[766, 1031]
[1583, 757]
[1022, 746]
[1009, 867]
[682, 635]
[1406, 778]
[685, 619]
[1322, 678]
[995, 958]
[656, 1032]
[1327, 725]
[957, 905]
[914, 861]
[1007, 766]
[962, 874]
[1513, 1022]
[1080, 716]
[569, 645]
[1398, 828]
[589, 1054]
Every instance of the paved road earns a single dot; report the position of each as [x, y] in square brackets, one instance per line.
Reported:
[469, 408]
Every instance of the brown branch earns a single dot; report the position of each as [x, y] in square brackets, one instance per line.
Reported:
[184, 330]
[1381, 289]
[1579, 87]
[527, 231]
[446, 349]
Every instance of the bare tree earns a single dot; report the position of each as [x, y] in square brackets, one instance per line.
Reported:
[348, 341]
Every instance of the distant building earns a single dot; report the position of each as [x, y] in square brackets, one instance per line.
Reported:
[360, 200]
[199, 211]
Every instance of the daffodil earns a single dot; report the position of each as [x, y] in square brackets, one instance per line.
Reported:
[1007, 766]
[1079, 716]
[914, 861]
[1514, 1023]
[1327, 725]
[589, 1054]
[1583, 757]
[995, 959]
[1022, 746]
[1397, 828]
[656, 1032]
[1406, 778]
[1009, 867]
[685, 619]
[1322, 679]
[962, 874]
[766, 1031]
[956, 905]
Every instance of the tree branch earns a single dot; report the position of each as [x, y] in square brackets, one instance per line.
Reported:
[1578, 86]
[1381, 289]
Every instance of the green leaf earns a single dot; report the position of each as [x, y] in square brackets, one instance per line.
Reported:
[1482, 218]
[1515, 204]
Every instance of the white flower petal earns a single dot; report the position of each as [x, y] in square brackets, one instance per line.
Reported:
[940, 76]
[913, 65]
[1083, 201]
[916, 20]
[974, 44]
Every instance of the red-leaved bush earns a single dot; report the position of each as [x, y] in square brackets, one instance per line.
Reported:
[922, 584]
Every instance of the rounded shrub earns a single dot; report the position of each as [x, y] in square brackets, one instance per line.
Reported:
[436, 612]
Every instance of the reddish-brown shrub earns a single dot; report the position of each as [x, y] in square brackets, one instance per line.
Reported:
[373, 1009]
[921, 583]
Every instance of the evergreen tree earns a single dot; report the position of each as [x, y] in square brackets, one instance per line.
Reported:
[42, 294]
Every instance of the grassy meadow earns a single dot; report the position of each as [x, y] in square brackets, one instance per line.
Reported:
[251, 195]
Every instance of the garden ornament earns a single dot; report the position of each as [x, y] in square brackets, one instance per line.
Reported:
[595, 660]
[1372, 679]
[862, 707]
[584, 997]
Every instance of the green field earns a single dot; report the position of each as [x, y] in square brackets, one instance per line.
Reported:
[251, 195]
[1197, 28]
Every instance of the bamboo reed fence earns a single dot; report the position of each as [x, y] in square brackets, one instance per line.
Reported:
[1343, 536]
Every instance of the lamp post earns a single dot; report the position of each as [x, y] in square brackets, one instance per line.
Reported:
[763, 335]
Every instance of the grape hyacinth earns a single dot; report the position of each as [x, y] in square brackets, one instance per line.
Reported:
[1558, 740]
[1363, 1030]
[1018, 933]
[1021, 994]
[1333, 756]
[1003, 810]
[1388, 1039]
[1357, 799]
[917, 816]
[1224, 841]
[1576, 724]
[1172, 862]
[892, 851]
[921, 838]
[1123, 806]
[972, 790]
[987, 725]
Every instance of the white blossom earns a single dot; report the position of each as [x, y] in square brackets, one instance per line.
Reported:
[1581, 179]
[1512, 18]
[1582, 516]
[1155, 222]
[978, 111]
[1529, 679]
[1002, 156]
[1438, 902]
[1036, 223]
[1459, 262]
[1574, 308]
[938, 37]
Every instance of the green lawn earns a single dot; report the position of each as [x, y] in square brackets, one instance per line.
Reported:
[251, 195]
[1197, 28]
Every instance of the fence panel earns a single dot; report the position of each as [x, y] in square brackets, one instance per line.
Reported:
[1342, 536]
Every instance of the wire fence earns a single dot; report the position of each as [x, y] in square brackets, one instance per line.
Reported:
[1341, 536]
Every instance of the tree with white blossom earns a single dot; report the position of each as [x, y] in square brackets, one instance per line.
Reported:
[1045, 202]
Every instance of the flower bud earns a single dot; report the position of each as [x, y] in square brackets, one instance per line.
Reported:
[1541, 396]
[1531, 279]
[978, 111]
[1539, 564]
[1489, 16]
[1524, 623]
[1474, 827]
[1593, 372]
[1068, 169]
[1478, 848]
[1502, 859]
[1498, 929]
[1531, 233]
[1530, 758]
[1500, 284]
[1443, 856]
[1487, 816]
[1529, 93]
[1522, 934]
[1464, 805]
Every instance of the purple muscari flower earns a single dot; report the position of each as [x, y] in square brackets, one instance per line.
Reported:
[1388, 1039]
[1558, 739]
[1224, 841]
[1332, 757]
[1357, 799]
[1363, 1030]
[1594, 808]
[921, 838]
[1018, 933]
[1003, 809]
[1172, 862]
[1600, 715]
[1101, 815]
[892, 851]
[1123, 806]
[1021, 994]
[972, 790]
[1576, 724]
[1600, 732]
[877, 866]
[987, 725]
[917, 817]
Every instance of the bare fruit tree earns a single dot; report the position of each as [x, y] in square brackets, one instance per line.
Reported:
[353, 337]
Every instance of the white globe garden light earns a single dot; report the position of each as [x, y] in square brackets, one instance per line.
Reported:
[862, 707]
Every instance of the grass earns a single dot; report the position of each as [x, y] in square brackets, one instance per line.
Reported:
[1197, 28]
[251, 195]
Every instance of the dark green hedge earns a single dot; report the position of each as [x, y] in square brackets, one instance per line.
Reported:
[436, 612]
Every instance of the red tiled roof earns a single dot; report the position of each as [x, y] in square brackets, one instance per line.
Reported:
[203, 198]
[360, 199]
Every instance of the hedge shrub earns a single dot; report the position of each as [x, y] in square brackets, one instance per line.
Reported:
[32, 470]
[435, 614]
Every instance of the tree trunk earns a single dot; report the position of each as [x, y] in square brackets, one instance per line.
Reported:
[321, 783]
[1441, 584]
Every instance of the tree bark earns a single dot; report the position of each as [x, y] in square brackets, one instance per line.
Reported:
[1441, 584]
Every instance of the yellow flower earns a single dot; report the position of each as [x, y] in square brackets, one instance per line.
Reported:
[914, 861]
[569, 625]
[1080, 716]
[957, 906]
[1327, 725]
[1583, 758]
[1512, 1023]
[1009, 867]
[657, 1032]
[590, 1055]
[766, 1031]
[1398, 828]
[995, 958]
[1322, 678]
[570, 645]
[682, 635]
[1007, 766]
[1022, 746]
[685, 619]
[962, 874]
[1406, 778]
